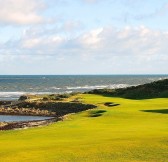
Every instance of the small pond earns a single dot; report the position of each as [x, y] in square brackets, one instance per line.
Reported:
[16, 118]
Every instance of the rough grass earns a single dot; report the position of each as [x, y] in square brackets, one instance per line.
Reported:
[129, 132]
[157, 89]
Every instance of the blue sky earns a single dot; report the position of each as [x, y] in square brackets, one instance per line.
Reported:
[83, 36]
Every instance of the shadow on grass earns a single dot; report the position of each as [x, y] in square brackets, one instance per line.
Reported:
[96, 113]
[161, 111]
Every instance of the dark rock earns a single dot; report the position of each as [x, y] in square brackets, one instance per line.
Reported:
[22, 98]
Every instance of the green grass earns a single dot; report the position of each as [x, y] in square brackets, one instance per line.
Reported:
[134, 131]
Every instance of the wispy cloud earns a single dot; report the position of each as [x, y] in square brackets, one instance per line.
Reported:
[91, 1]
[159, 12]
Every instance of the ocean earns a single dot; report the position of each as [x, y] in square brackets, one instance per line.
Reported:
[13, 86]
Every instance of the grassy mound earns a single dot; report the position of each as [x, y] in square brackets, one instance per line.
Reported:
[157, 89]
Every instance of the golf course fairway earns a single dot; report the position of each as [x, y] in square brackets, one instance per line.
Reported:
[133, 131]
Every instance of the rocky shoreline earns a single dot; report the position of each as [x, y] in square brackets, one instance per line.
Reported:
[27, 124]
[55, 109]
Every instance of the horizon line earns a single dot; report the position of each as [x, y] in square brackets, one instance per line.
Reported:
[74, 74]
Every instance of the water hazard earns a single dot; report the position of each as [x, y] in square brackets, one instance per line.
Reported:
[16, 118]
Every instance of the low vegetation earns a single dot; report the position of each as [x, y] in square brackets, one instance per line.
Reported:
[48, 105]
[157, 89]
[26, 111]
[60, 108]
[50, 97]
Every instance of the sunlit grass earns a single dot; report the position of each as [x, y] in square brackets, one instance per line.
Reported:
[129, 132]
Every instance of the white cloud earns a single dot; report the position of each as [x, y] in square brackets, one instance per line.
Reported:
[40, 42]
[107, 42]
[128, 41]
[92, 38]
[21, 11]
[128, 49]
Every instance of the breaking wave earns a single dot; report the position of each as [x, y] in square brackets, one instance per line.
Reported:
[113, 86]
